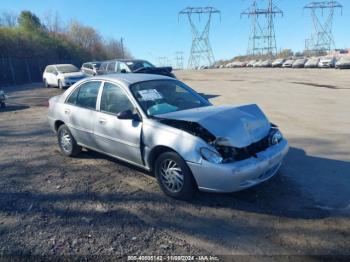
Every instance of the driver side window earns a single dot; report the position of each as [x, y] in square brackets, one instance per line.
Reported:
[114, 100]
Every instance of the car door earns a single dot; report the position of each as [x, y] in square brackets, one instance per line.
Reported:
[118, 137]
[80, 112]
[88, 69]
[83, 69]
[51, 76]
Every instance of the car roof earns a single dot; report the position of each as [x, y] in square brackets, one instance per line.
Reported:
[125, 60]
[130, 78]
[62, 65]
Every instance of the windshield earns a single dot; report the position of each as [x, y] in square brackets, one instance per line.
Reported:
[67, 69]
[96, 65]
[164, 96]
[134, 65]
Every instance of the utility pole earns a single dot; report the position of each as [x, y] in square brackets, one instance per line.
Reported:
[322, 39]
[262, 39]
[201, 51]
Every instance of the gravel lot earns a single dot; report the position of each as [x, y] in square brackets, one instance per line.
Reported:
[94, 205]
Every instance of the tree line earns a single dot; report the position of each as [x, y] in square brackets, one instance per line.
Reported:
[26, 36]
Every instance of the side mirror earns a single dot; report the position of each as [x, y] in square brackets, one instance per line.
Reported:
[128, 114]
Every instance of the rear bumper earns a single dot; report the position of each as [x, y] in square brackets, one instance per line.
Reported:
[239, 175]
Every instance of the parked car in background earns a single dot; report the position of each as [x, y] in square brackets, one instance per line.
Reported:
[134, 66]
[61, 76]
[160, 124]
[3, 98]
[299, 63]
[228, 65]
[236, 64]
[288, 63]
[327, 62]
[312, 62]
[343, 63]
[278, 62]
[251, 63]
[91, 68]
[266, 63]
[258, 63]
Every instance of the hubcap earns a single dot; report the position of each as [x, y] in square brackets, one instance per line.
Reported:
[66, 141]
[171, 175]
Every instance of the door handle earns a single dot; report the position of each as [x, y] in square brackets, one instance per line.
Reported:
[102, 121]
[66, 111]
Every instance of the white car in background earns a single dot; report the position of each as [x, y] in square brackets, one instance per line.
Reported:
[312, 62]
[327, 62]
[61, 76]
[288, 63]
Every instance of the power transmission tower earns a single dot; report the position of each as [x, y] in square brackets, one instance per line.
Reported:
[322, 38]
[201, 50]
[262, 39]
[164, 61]
[179, 60]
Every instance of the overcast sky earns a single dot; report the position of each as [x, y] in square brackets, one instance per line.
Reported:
[151, 28]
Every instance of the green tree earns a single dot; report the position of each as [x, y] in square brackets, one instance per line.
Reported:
[29, 21]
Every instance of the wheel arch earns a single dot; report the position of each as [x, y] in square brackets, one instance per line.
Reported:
[58, 123]
[156, 152]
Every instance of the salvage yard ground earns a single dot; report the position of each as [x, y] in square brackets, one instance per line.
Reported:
[95, 205]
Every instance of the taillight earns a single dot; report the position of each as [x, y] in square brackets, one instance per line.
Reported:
[47, 103]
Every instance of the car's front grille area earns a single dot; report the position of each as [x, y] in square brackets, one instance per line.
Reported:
[251, 150]
[231, 154]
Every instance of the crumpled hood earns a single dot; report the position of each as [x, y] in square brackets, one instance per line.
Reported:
[232, 126]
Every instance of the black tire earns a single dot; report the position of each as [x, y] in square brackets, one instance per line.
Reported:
[59, 83]
[189, 186]
[2, 105]
[74, 149]
[46, 85]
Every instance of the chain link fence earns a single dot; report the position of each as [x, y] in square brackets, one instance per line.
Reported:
[14, 71]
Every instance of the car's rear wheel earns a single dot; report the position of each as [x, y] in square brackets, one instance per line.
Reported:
[60, 85]
[67, 143]
[174, 176]
[46, 84]
[2, 105]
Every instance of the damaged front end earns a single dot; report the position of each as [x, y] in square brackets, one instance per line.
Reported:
[226, 153]
[231, 154]
[232, 133]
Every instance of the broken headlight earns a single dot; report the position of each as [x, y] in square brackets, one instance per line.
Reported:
[211, 155]
[275, 137]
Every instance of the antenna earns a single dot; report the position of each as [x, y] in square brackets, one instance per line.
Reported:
[321, 39]
[201, 50]
[262, 39]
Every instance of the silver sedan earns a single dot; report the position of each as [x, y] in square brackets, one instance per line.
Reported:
[162, 125]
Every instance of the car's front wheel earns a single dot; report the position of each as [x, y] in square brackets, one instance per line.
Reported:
[46, 84]
[60, 85]
[67, 143]
[174, 176]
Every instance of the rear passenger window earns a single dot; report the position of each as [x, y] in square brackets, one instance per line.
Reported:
[85, 95]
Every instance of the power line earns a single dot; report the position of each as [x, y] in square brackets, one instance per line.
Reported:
[322, 39]
[262, 39]
[179, 60]
[201, 51]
